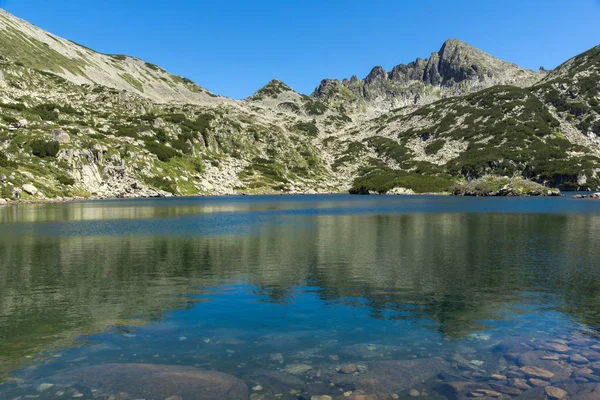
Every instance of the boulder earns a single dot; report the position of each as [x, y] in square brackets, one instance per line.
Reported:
[156, 382]
[158, 123]
[393, 376]
[60, 136]
[3, 202]
[555, 393]
[533, 394]
[536, 372]
[30, 189]
[506, 389]
[297, 369]
[15, 193]
[578, 359]
[460, 390]
[348, 369]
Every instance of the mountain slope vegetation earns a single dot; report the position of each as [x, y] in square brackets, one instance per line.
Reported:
[77, 123]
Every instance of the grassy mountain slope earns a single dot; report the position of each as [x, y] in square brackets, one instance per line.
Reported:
[73, 140]
[38, 49]
[503, 131]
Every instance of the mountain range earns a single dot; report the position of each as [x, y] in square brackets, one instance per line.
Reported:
[77, 123]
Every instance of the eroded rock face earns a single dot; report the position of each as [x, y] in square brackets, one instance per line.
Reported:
[156, 382]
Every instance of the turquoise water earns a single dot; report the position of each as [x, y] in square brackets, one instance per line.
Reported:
[285, 294]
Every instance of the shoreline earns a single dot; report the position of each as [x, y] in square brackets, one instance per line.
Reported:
[63, 200]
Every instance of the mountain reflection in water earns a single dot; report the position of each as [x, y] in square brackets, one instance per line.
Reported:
[294, 273]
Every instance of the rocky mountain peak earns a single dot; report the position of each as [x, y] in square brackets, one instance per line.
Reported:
[273, 89]
[456, 69]
[376, 74]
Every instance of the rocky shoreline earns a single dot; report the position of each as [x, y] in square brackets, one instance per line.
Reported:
[502, 187]
[590, 196]
[57, 200]
[475, 193]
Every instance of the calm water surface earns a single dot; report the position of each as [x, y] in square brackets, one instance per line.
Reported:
[280, 293]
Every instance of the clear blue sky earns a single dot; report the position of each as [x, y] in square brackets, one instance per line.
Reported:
[235, 47]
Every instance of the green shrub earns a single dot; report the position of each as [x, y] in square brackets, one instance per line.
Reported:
[162, 136]
[185, 136]
[198, 166]
[160, 183]
[13, 106]
[131, 131]
[65, 180]
[163, 152]
[45, 112]
[9, 119]
[201, 124]
[315, 107]
[152, 66]
[383, 180]
[309, 128]
[44, 148]
[5, 162]
[174, 118]
[182, 146]
[434, 147]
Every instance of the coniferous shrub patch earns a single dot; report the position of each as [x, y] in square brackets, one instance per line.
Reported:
[44, 148]
[164, 153]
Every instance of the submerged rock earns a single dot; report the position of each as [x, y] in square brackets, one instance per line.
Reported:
[555, 393]
[393, 376]
[297, 369]
[156, 382]
[536, 372]
[275, 382]
[461, 390]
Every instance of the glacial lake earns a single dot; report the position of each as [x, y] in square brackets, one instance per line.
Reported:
[296, 297]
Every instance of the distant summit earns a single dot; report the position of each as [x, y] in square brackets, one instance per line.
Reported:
[456, 69]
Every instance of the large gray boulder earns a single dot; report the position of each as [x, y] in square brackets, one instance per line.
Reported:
[30, 189]
[156, 382]
[60, 136]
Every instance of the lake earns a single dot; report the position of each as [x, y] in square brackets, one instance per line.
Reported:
[301, 297]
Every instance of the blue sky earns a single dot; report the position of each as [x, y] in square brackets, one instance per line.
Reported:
[235, 47]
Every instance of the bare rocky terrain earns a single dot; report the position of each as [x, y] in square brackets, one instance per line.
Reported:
[75, 123]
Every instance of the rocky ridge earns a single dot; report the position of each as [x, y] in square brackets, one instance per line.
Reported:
[456, 69]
